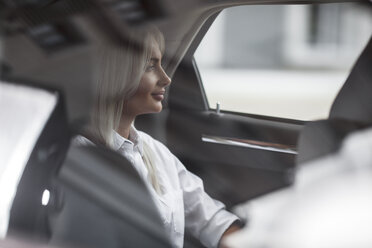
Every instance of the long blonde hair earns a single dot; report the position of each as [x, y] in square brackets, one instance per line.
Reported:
[119, 71]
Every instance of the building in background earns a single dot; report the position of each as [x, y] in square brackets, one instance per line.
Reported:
[303, 52]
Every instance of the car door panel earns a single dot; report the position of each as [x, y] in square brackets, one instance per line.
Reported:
[239, 156]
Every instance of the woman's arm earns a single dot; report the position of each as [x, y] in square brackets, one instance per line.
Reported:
[236, 226]
[205, 217]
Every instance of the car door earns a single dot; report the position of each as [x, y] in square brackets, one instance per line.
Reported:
[240, 154]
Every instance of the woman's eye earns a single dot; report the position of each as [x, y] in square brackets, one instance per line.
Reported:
[150, 68]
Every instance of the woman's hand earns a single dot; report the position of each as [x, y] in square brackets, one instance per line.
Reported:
[233, 228]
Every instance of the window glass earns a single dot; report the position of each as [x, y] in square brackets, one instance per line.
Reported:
[285, 61]
[24, 112]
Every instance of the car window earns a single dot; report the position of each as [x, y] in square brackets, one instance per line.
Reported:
[24, 112]
[285, 61]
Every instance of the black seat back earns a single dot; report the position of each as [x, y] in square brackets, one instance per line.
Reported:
[320, 138]
[104, 203]
[354, 101]
[351, 111]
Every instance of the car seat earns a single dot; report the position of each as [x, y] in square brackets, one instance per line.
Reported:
[104, 203]
[350, 111]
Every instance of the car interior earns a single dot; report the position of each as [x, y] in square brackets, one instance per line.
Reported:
[44, 162]
[80, 183]
[349, 112]
[50, 45]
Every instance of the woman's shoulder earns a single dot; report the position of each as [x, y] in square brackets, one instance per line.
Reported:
[153, 143]
[164, 157]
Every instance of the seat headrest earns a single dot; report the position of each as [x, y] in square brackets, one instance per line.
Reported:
[354, 101]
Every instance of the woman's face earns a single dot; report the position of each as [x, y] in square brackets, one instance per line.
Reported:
[151, 89]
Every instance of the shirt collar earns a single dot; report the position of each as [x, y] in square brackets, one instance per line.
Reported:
[134, 139]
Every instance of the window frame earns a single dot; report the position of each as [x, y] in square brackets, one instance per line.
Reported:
[190, 56]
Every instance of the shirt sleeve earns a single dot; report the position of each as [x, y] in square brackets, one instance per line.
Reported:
[205, 218]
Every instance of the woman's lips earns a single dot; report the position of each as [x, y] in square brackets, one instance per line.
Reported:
[158, 96]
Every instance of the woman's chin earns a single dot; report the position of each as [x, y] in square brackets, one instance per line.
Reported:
[156, 109]
[159, 109]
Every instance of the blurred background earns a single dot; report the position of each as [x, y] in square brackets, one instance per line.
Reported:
[285, 61]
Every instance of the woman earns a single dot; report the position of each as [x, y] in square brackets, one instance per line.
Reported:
[131, 82]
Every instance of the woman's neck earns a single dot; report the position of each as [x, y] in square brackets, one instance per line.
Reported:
[124, 126]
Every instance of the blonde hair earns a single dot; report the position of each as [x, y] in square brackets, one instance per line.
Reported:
[120, 68]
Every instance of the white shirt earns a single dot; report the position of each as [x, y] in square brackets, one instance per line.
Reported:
[183, 202]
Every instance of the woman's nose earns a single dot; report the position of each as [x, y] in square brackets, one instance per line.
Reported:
[165, 79]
